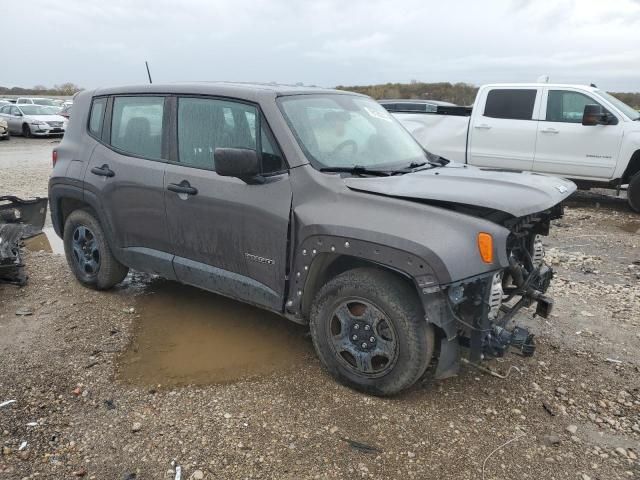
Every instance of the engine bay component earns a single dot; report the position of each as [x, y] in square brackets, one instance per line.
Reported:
[19, 219]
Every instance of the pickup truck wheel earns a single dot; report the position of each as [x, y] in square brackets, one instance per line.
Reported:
[88, 253]
[369, 331]
[633, 192]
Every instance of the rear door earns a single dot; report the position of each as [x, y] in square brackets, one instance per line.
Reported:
[227, 236]
[568, 148]
[503, 129]
[126, 175]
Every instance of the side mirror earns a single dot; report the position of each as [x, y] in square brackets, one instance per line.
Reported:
[19, 114]
[241, 163]
[596, 115]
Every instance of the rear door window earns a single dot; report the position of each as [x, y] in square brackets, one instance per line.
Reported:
[512, 104]
[137, 126]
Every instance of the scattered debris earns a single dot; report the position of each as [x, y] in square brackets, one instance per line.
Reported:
[22, 446]
[612, 360]
[551, 440]
[32, 424]
[7, 402]
[109, 404]
[363, 447]
[19, 219]
[484, 464]
[572, 429]
[548, 408]
[491, 372]
[136, 427]
[24, 311]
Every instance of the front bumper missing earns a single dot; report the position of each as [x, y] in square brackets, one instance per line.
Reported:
[476, 322]
[19, 219]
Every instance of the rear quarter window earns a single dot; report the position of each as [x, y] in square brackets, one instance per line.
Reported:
[96, 117]
[512, 104]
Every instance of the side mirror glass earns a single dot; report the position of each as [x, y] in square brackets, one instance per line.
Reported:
[241, 163]
[596, 115]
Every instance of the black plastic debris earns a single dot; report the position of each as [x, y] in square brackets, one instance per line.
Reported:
[19, 219]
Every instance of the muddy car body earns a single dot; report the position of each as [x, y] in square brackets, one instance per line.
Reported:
[332, 216]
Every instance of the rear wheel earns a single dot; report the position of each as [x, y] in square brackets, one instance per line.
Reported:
[633, 192]
[88, 253]
[26, 130]
[369, 331]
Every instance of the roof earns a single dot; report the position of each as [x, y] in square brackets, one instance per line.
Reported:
[234, 89]
[417, 101]
[541, 85]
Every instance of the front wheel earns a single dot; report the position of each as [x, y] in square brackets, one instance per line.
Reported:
[26, 130]
[633, 192]
[88, 253]
[370, 332]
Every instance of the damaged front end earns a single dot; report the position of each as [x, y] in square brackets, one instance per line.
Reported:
[481, 310]
[19, 219]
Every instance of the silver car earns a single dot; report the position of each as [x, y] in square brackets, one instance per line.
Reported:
[33, 120]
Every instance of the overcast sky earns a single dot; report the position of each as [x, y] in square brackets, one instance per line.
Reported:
[323, 42]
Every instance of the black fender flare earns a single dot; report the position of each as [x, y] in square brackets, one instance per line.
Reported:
[60, 191]
[315, 247]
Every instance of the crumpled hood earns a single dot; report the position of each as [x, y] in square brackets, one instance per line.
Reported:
[515, 193]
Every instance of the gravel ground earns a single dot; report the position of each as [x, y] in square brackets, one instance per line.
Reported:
[570, 412]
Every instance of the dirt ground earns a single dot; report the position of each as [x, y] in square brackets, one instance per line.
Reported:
[129, 384]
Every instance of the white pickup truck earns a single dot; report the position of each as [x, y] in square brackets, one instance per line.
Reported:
[573, 131]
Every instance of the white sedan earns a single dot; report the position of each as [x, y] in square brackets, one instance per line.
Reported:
[33, 120]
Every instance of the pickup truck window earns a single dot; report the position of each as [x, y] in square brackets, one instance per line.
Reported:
[512, 104]
[347, 130]
[136, 126]
[567, 106]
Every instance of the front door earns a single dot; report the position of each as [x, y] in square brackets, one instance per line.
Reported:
[503, 135]
[228, 236]
[126, 175]
[568, 148]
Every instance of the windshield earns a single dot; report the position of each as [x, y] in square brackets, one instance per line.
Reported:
[630, 112]
[345, 131]
[44, 101]
[35, 110]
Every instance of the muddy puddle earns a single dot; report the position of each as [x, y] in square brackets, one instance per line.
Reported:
[46, 241]
[630, 226]
[184, 335]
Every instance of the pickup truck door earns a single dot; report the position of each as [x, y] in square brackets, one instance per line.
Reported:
[502, 132]
[227, 236]
[568, 148]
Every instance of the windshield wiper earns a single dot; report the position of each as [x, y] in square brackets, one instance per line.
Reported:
[357, 170]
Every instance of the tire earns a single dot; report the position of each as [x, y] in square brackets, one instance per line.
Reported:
[400, 345]
[633, 193]
[26, 130]
[88, 253]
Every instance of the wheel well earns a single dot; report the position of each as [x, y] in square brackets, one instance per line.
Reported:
[68, 205]
[632, 168]
[327, 266]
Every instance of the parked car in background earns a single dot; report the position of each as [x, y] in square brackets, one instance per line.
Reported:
[414, 105]
[574, 131]
[312, 203]
[36, 101]
[4, 130]
[66, 110]
[33, 120]
[7, 100]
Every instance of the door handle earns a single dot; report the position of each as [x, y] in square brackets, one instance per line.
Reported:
[103, 171]
[482, 126]
[182, 187]
[550, 130]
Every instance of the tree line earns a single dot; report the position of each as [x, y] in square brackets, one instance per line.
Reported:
[458, 93]
[65, 89]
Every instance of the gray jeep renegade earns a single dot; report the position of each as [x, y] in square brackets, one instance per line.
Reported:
[312, 203]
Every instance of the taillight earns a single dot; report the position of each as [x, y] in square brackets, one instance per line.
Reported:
[54, 157]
